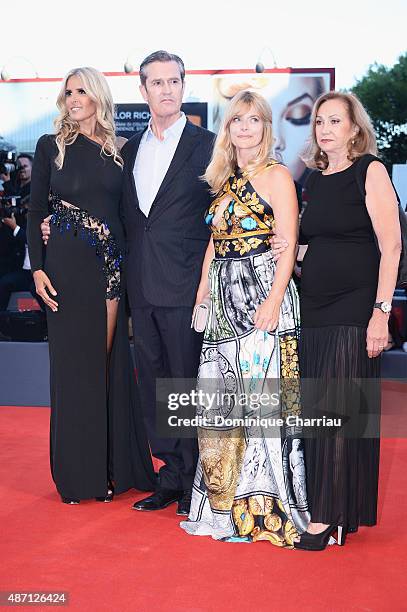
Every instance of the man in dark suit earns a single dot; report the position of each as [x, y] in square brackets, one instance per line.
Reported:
[15, 271]
[163, 207]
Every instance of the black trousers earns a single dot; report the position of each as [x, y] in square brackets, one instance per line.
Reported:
[166, 347]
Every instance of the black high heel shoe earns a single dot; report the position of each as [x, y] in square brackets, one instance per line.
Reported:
[72, 502]
[109, 495]
[319, 541]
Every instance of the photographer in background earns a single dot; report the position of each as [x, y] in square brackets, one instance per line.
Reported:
[24, 167]
[18, 183]
[15, 270]
[5, 176]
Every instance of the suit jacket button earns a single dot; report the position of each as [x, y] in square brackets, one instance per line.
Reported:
[147, 228]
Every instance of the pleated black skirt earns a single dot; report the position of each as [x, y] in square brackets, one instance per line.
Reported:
[341, 383]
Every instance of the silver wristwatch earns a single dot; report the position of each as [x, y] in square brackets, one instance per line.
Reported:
[383, 306]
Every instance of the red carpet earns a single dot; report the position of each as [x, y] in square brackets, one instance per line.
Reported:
[109, 557]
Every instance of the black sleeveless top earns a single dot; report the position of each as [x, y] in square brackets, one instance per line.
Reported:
[340, 269]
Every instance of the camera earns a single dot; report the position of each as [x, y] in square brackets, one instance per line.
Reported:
[11, 205]
[8, 158]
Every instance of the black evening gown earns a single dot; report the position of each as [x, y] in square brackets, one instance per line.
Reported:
[338, 289]
[97, 431]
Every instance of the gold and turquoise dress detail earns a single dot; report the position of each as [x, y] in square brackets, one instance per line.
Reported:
[250, 480]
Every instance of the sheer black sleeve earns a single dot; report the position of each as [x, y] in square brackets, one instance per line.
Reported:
[38, 207]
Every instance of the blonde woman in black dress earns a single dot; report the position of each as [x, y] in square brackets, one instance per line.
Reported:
[347, 285]
[97, 434]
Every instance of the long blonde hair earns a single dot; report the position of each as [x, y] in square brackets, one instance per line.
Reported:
[361, 143]
[224, 160]
[67, 129]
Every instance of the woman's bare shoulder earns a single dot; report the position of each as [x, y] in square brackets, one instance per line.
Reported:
[276, 172]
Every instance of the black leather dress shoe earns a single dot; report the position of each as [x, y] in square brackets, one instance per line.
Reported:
[158, 500]
[184, 503]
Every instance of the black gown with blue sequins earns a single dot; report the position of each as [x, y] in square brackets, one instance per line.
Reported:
[97, 430]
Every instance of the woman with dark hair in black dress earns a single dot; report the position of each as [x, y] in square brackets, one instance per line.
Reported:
[98, 443]
[346, 291]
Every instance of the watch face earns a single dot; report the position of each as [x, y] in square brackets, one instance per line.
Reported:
[386, 307]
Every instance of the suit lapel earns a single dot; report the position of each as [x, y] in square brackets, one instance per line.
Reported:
[183, 151]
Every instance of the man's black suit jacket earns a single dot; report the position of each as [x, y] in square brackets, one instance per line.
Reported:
[165, 250]
[12, 249]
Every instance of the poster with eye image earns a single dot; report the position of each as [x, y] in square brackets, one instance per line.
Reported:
[132, 118]
[291, 94]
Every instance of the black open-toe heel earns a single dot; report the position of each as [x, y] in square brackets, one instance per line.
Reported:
[109, 495]
[68, 500]
[319, 541]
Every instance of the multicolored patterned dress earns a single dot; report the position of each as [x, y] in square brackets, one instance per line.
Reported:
[250, 479]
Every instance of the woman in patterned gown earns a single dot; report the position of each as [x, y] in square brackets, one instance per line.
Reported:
[97, 438]
[249, 483]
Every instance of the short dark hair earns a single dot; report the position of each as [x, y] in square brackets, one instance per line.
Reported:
[26, 156]
[160, 56]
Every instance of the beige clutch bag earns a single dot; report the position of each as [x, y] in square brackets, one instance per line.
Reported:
[200, 315]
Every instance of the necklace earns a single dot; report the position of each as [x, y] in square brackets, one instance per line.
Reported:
[331, 169]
